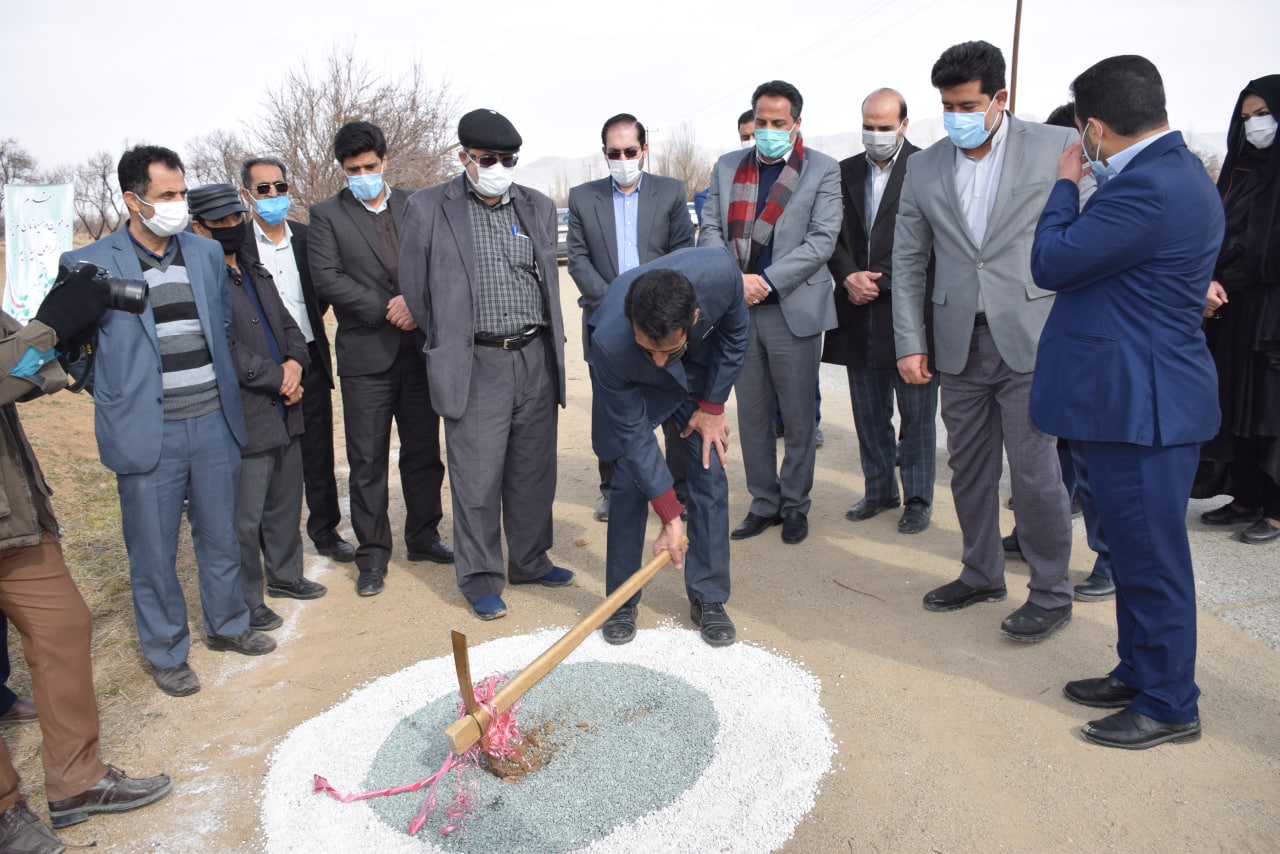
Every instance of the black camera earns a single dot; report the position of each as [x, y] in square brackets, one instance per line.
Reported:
[123, 294]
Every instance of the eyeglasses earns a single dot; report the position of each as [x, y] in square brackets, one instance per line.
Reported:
[264, 188]
[488, 160]
[624, 154]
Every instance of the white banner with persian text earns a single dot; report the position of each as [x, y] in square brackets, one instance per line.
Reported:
[38, 220]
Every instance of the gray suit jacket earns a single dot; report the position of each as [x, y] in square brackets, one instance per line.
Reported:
[930, 219]
[803, 238]
[663, 227]
[437, 263]
[350, 274]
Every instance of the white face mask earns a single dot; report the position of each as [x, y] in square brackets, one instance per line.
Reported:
[169, 217]
[493, 181]
[749, 142]
[626, 172]
[1260, 131]
[881, 145]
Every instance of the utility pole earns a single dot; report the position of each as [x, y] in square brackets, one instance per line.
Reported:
[1013, 77]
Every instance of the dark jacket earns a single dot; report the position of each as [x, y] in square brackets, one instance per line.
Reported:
[260, 375]
[864, 337]
[25, 507]
[316, 307]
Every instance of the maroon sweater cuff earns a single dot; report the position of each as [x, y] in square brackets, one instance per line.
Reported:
[711, 408]
[667, 506]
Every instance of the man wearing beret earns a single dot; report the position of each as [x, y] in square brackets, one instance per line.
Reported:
[478, 272]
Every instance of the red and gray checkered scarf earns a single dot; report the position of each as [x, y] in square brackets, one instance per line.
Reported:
[748, 236]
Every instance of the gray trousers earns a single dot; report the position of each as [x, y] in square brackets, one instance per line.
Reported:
[502, 468]
[777, 363]
[985, 407]
[268, 510]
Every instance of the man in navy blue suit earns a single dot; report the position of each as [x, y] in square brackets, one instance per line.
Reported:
[1123, 372]
[668, 342]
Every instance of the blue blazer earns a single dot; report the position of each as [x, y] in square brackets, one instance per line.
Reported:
[1122, 357]
[630, 395]
[128, 394]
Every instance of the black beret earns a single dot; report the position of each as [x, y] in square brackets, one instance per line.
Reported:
[488, 130]
[214, 201]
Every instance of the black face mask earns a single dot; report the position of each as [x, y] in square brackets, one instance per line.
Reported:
[231, 237]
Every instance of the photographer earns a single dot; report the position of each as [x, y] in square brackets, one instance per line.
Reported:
[38, 595]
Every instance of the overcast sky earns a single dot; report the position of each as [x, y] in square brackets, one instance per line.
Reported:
[83, 76]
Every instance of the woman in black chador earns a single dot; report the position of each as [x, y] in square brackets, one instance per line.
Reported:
[1244, 307]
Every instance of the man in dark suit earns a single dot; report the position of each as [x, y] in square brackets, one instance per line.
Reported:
[271, 356]
[479, 273]
[777, 209]
[862, 266]
[616, 224]
[1124, 373]
[281, 246]
[971, 201]
[355, 259]
[667, 345]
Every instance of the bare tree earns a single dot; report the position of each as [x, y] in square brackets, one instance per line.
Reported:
[215, 158]
[680, 157]
[99, 205]
[307, 108]
[17, 166]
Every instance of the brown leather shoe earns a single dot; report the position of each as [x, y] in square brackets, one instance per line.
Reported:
[23, 711]
[22, 832]
[116, 792]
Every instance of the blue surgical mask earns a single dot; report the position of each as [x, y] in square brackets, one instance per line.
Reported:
[772, 142]
[967, 130]
[365, 187]
[272, 210]
[1101, 172]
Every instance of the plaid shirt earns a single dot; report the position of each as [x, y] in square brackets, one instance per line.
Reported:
[507, 299]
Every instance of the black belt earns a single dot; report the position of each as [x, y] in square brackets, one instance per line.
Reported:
[980, 319]
[509, 342]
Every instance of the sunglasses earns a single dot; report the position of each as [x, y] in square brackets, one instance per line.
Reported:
[262, 189]
[624, 154]
[488, 160]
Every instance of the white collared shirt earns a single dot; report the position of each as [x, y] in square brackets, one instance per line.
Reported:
[978, 180]
[1121, 159]
[279, 260]
[386, 198]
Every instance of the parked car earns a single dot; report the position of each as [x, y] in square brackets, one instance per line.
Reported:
[562, 233]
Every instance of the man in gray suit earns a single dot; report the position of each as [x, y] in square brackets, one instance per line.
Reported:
[354, 253]
[617, 224]
[973, 199]
[479, 274]
[777, 209]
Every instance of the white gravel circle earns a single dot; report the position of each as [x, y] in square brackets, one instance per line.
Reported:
[771, 751]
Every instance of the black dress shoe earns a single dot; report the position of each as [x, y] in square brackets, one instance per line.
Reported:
[717, 628]
[339, 550]
[1228, 515]
[116, 792]
[1132, 730]
[795, 527]
[1032, 624]
[915, 518]
[370, 581]
[1260, 532]
[620, 628]
[263, 619]
[866, 508]
[1011, 547]
[437, 551]
[957, 595]
[303, 588]
[1105, 692]
[753, 525]
[1095, 588]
